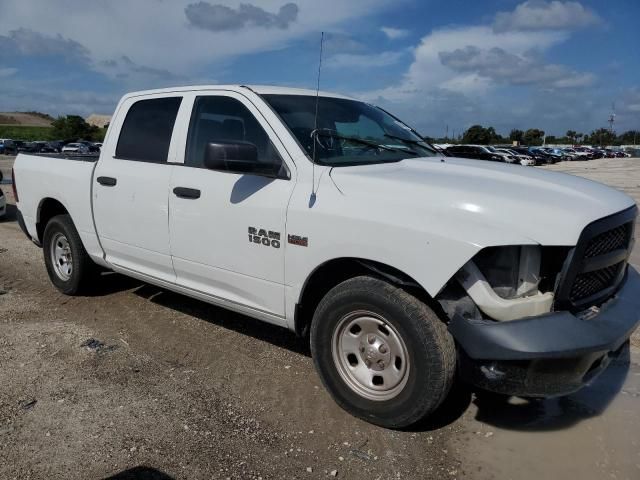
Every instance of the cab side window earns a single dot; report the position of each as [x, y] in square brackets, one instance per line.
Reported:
[225, 119]
[146, 132]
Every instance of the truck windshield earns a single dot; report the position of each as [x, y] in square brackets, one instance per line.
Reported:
[347, 132]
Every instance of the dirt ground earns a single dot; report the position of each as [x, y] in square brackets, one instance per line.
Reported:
[24, 118]
[136, 382]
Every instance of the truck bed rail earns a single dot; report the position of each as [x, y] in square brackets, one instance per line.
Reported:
[80, 157]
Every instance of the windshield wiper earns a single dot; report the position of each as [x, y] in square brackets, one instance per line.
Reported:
[409, 141]
[330, 133]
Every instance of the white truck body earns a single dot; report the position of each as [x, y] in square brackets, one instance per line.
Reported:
[422, 218]
[446, 210]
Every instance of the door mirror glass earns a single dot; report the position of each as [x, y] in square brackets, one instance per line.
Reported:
[237, 157]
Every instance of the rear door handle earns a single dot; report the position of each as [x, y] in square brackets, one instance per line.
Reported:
[107, 181]
[183, 192]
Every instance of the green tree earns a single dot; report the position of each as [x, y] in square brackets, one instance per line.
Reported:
[630, 137]
[73, 127]
[603, 137]
[571, 135]
[533, 136]
[480, 135]
[516, 135]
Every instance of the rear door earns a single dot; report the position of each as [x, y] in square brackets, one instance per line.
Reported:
[130, 191]
[227, 229]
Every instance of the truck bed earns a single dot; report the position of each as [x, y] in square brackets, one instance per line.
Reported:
[64, 178]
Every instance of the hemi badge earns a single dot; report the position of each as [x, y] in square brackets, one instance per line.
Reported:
[297, 240]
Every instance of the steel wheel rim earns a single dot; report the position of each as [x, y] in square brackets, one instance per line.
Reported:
[370, 355]
[61, 257]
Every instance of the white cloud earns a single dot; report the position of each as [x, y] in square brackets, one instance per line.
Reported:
[50, 97]
[482, 74]
[541, 15]
[394, 33]
[427, 72]
[24, 41]
[7, 72]
[149, 43]
[501, 66]
[219, 18]
[629, 108]
[157, 34]
[374, 60]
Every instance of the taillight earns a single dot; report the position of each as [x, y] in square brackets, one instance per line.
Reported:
[13, 186]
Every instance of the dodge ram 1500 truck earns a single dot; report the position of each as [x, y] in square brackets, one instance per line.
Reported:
[329, 216]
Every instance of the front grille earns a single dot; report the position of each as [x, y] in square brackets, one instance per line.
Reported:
[588, 284]
[598, 263]
[609, 241]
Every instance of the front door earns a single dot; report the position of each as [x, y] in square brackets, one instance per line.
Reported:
[227, 230]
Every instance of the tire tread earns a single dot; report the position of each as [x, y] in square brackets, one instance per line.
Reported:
[430, 332]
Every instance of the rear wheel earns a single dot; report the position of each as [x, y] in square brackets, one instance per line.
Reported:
[68, 263]
[384, 355]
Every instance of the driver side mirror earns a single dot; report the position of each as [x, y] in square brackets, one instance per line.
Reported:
[237, 157]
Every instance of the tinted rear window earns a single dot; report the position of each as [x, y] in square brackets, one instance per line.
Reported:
[146, 132]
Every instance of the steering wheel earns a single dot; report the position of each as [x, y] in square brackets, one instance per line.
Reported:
[326, 141]
[333, 142]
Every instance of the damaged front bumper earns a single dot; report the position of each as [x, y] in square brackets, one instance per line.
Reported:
[550, 354]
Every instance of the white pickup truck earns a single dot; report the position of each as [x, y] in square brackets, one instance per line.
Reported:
[328, 216]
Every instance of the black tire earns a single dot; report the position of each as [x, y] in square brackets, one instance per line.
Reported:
[430, 350]
[83, 267]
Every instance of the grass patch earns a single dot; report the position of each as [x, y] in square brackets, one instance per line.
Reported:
[27, 133]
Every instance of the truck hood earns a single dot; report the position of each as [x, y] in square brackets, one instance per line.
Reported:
[485, 203]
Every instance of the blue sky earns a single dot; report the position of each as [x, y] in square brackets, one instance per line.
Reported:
[554, 65]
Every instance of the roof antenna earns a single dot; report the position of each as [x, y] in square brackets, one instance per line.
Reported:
[314, 134]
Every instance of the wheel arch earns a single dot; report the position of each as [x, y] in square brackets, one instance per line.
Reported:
[335, 271]
[47, 209]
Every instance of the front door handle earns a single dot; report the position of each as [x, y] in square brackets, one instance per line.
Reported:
[183, 192]
[107, 181]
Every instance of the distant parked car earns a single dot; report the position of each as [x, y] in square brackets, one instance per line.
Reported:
[474, 151]
[596, 152]
[55, 146]
[521, 158]
[590, 154]
[50, 147]
[19, 146]
[577, 154]
[541, 156]
[91, 147]
[3, 204]
[6, 146]
[3, 201]
[75, 148]
[34, 147]
[506, 156]
[557, 153]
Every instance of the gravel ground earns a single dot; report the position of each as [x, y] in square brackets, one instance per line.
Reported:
[135, 379]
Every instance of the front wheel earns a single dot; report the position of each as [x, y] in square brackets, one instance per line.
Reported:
[68, 264]
[384, 355]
